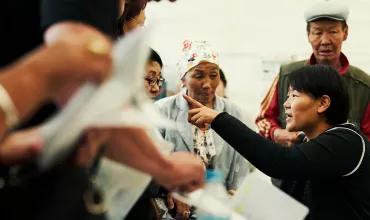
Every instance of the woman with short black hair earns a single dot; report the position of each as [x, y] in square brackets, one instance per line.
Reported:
[330, 166]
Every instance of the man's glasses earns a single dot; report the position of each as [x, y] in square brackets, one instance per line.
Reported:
[153, 81]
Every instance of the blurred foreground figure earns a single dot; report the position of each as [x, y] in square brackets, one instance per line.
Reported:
[80, 33]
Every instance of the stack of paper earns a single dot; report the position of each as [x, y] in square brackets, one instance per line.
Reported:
[258, 200]
[254, 200]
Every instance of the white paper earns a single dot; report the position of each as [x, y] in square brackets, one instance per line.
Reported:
[120, 101]
[257, 200]
[207, 203]
[122, 185]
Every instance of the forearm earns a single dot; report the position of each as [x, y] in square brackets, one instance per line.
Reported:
[255, 148]
[26, 84]
[136, 149]
[324, 157]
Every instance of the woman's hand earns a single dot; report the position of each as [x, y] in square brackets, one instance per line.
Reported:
[75, 53]
[182, 209]
[199, 115]
[285, 138]
[20, 147]
[181, 171]
[186, 173]
[88, 148]
[24, 146]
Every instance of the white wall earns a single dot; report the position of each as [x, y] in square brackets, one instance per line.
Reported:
[244, 31]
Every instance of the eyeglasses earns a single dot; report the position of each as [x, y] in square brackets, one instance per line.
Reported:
[137, 22]
[153, 81]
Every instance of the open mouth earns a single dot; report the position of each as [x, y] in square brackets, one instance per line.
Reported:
[288, 117]
[326, 52]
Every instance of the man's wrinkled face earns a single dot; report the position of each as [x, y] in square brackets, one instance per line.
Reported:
[326, 37]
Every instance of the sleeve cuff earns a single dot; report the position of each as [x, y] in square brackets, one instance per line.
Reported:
[218, 120]
[272, 130]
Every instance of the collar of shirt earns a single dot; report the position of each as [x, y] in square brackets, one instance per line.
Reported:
[343, 60]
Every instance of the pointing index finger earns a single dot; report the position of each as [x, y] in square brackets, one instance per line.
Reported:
[193, 103]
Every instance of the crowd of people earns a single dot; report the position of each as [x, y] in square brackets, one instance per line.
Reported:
[314, 125]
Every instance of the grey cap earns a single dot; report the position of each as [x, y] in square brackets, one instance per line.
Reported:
[327, 9]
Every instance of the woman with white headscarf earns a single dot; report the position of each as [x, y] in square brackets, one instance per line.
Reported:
[199, 72]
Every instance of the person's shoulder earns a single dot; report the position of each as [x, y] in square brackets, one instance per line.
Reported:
[286, 69]
[165, 103]
[343, 139]
[348, 127]
[359, 75]
[348, 133]
[231, 107]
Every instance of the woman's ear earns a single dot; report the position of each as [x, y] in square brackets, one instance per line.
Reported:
[183, 82]
[324, 103]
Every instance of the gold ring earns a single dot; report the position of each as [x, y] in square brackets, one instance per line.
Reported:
[98, 47]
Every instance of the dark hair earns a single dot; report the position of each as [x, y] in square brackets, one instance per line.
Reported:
[223, 78]
[154, 57]
[319, 80]
[308, 27]
[132, 9]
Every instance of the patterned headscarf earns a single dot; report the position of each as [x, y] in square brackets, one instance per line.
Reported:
[194, 52]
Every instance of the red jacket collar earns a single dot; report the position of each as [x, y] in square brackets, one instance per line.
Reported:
[343, 60]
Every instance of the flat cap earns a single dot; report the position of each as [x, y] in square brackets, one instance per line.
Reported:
[327, 9]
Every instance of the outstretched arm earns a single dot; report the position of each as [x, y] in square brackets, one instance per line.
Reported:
[328, 155]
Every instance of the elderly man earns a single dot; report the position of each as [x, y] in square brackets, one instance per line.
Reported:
[326, 30]
[199, 72]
